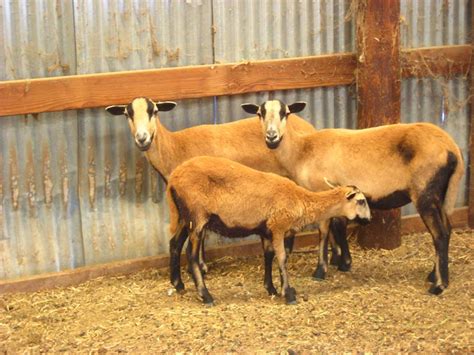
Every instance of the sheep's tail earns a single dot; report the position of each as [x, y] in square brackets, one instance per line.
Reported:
[453, 185]
[174, 212]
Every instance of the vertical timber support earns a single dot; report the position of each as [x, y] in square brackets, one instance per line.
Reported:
[471, 131]
[378, 93]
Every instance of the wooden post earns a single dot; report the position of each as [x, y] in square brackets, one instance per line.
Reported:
[471, 134]
[378, 91]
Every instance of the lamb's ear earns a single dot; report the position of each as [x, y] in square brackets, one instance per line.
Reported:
[165, 105]
[297, 107]
[116, 110]
[250, 108]
[350, 195]
[332, 185]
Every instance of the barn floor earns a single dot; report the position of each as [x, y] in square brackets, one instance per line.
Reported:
[381, 305]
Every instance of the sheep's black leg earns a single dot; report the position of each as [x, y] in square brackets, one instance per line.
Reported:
[268, 254]
[202, 256]
[195, 239]
[202, 264]
[289, 243]
[176, 246]
[437, 223]
[322, 267]
[338, 228]
[286, 290]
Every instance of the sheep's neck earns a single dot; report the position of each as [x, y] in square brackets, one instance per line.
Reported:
[288, 153]
[323, 205]
[163, 153]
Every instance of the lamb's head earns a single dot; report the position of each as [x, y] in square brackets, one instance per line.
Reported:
[142, 114]
[355, 205]
[273, 116]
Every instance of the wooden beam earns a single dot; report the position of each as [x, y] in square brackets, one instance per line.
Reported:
[446, 61]
[98, 90]
[410, 224]
[378, 91]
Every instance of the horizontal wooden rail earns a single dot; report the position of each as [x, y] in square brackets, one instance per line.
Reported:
[98, 90]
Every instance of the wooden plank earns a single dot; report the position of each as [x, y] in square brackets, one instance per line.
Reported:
[378, 91]
[98, 90]
[446, 61]
[410, 224]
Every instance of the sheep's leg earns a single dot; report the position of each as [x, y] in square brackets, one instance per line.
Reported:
[289, 243]
[286, 290]
[322, 267]
[343, 259]
[176, 246]
[202, 264]
[268, 254]
[202, 256]
[195, 240]
[438, 225]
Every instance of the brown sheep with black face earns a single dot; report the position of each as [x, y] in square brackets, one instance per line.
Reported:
[392, 165]
[239, 141]
[236, 201]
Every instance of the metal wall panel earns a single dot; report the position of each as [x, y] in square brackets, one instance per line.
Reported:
[40, 224]
[426, 23]
[271, 29]
[124, 214]
[445, 104]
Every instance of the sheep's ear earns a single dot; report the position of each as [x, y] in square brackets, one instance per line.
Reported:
[165, 105]
[116, 110]
[332, 185]
[350, 195]
[297, 107]
[250, 108]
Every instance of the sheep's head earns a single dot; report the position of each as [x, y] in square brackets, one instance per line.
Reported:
[142, 114]
[356, 206]
[273, 115]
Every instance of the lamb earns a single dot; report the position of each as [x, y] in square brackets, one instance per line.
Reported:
[232, 199]
[165, 150]
[392, 165]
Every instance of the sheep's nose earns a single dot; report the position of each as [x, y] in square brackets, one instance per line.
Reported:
[272, 136]
[141, 138]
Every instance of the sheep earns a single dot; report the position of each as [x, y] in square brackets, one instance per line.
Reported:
[165, 150]
[392, 165]
[227, 197]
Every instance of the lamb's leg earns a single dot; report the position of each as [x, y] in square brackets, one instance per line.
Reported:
[438, 225]
[195, 239]
[338, 228]
[279, 247]
[322, 267]
[202, 264]
[268, 254]
[176, 246]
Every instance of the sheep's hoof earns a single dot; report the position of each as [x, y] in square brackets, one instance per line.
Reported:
[436, 290]
[207, 298]
[431, 277]
[179, 287]
[343, 266]
[209, 304]
[271, 290]
[319, 274]
[290, 296]
[204, 269]
[335, 259]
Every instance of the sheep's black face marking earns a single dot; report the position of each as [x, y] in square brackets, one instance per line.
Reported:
[395, 200]
[406, 151]
[150, 108]
[129, 113]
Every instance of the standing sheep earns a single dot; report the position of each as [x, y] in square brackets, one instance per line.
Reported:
[236, 201]
[392, 165]
[239, 141]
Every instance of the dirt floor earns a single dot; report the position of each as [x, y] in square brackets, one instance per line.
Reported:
[381, 305]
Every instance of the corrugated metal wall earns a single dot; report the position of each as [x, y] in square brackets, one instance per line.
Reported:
[73, 188]
[437, 100]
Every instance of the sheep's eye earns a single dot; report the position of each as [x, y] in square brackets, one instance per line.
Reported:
[155, 111]
[361, 202]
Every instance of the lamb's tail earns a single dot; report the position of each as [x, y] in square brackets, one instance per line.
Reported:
[453, 185]
[174, 212]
